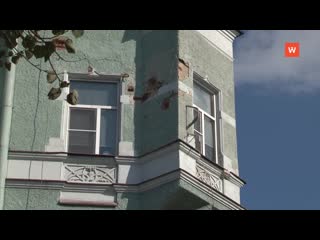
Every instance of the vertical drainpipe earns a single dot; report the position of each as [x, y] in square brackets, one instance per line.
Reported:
[8, 79]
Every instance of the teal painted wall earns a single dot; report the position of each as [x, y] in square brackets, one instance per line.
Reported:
[171, 195]
[44, 199]
[208, 61]
[35, 118]
[148, 124]
[157, 126]
[143, 56]
[37, 199]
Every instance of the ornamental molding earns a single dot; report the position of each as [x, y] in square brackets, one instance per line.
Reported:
[214, 194]
[89, 174]
[208, 178]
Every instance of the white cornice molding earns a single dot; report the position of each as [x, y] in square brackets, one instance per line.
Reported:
[131, 161]
[214, 194]
[57, 185]
[34, 156]
[59, 157]
[36, 184]
[222, 40]
[158, 153]
[229, 34]
[87, 188]
[189, 151]
[199, 159]
[233, 179]
[150, 184]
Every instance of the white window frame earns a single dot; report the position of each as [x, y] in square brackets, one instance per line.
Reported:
[215, 103]
[104, 79]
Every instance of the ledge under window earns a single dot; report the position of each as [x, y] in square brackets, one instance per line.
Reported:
[87, 199]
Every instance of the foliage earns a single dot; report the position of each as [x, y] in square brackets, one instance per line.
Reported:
[28, 44]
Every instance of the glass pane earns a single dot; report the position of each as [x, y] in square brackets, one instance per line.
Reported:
[96, 93]
[82, 142]
[209, 138]
[108, 132]
[197, 124]
[84, 119]
[198, 141]
[210, 153]
[202, 99]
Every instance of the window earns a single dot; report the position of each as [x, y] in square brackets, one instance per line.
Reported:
[205, 127]
[93, 121]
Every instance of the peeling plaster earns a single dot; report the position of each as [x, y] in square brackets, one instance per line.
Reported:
[183, 69]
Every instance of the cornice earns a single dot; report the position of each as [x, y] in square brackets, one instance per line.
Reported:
[214, 194]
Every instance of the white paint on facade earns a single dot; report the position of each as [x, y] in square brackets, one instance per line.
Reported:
[56, 145]
[126, 149]
[126, 99]
[231, 190]
[78, 197]
[228, 119]
[129, 171]
[220, 39]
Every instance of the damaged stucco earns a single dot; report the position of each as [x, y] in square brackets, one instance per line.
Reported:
[160, 66]
[197, 55]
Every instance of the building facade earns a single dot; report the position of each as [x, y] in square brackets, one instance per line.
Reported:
[154, 127]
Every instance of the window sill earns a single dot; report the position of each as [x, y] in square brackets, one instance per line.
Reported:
[86, 203]
[89, 155]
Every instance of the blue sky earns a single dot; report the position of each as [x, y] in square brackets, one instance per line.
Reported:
[278, 119]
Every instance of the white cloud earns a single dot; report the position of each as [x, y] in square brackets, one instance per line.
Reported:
[259, 59]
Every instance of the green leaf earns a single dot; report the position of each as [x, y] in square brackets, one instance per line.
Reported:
[58, 32]
[10, 53]
[15, 59]
[50, 48]
[73, 97]
[64, 84]
[69, 46]
[28, 54]
[77, 33]
[29, 42]
[39, 51]
[54, 93]
[51, 76]
[1, 63]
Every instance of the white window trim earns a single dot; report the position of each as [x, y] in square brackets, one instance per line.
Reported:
[216, 101]
[89, 78]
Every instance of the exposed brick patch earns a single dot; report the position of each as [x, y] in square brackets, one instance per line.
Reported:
[151, 89]
[183, 69]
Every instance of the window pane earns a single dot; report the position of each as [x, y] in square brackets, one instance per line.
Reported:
[198, 141]
[84, 119]
[197, 124]
[108, 131]
[96, 93]
[209, 138]
[82, 142]
[202, 99]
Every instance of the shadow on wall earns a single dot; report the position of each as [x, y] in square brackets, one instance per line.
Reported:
[155, 115]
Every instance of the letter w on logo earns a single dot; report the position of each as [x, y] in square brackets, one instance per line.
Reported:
[291, 49]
